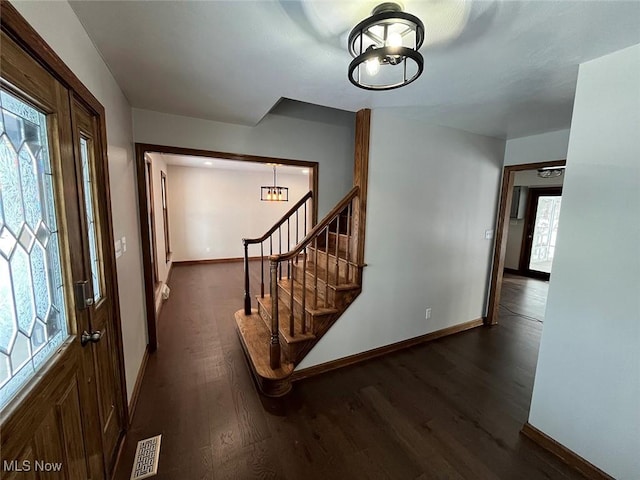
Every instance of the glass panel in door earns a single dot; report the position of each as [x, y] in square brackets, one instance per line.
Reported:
[545, 233]
[95, 254]
[33, 321]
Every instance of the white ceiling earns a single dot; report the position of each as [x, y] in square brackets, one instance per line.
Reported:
[498, 68]
[224, 164]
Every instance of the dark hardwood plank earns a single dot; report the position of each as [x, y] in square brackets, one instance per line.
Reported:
[451, 408]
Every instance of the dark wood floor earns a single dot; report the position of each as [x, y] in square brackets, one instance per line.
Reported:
[523, 296]
[451, 409]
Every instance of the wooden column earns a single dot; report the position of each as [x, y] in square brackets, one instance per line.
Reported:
[360, 178]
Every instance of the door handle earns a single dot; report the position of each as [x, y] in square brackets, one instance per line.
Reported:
[93, 337]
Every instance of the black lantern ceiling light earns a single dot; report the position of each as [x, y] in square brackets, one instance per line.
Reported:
[385, 49]
[274, 193]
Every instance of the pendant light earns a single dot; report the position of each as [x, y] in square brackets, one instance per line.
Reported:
[385, 49]
[274, 193]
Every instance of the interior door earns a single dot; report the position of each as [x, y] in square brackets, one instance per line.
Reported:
[55, 388]
[541, 231]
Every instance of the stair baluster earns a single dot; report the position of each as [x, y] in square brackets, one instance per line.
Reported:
[291, 292]
[247, 295]
[346, 277]
[297, 232]
[288, 246]
[337, 251]
[274, 346]
[280, 251]
[304, 291]
[315, 273]
[326, 267]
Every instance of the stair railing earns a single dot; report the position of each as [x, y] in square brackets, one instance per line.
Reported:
[340, 219]
[300, 209]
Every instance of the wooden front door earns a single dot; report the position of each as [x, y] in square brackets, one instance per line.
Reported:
[61, 398]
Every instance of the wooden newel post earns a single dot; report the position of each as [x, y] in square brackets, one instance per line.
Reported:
[247, 293]
[274, 347]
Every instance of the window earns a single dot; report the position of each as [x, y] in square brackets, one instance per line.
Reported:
[165, 216]
[33, 320]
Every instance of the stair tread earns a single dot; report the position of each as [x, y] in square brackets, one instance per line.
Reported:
[255, 338]
[284, 321]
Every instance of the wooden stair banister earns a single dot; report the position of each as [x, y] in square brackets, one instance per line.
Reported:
[286, 218]
[321, 229]
[311, 284]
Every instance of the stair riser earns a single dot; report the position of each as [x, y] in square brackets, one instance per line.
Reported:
[332, 242]
[283, 320]
[342, 280]
[290, 351]
[284, 296]
[322, 262]
[295, 351]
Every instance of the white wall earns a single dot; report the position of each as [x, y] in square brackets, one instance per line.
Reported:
[331, 143]
[212, 209]
[587, 387]
[433, 192]
[537, 148]
[524, 178]
[58, 25]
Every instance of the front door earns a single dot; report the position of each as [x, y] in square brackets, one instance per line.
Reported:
[541, 231]
[61, 401]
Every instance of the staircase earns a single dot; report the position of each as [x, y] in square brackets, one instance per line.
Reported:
[310, 285]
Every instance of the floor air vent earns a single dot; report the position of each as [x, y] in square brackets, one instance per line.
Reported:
[145, 462]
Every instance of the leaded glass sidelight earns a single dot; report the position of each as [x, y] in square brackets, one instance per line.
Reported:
[94, 251]
[33, 319]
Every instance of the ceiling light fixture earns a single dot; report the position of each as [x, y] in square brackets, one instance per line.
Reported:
[550, 172]
[208, 163]
[274, 193]
[386, 44]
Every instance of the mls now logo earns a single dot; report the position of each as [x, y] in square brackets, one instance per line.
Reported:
[28, 466]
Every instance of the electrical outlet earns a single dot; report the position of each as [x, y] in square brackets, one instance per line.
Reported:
[428, 314]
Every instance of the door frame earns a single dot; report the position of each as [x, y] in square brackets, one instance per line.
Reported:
[529, 223]
[16, 27]
[143, 209]
[502, 230]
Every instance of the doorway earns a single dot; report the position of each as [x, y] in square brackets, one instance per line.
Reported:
[540, 232]
[542, 250]
[161, 248]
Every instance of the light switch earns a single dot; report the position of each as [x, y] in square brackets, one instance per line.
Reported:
[124, 244]
[488, 234]
[118, 248]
